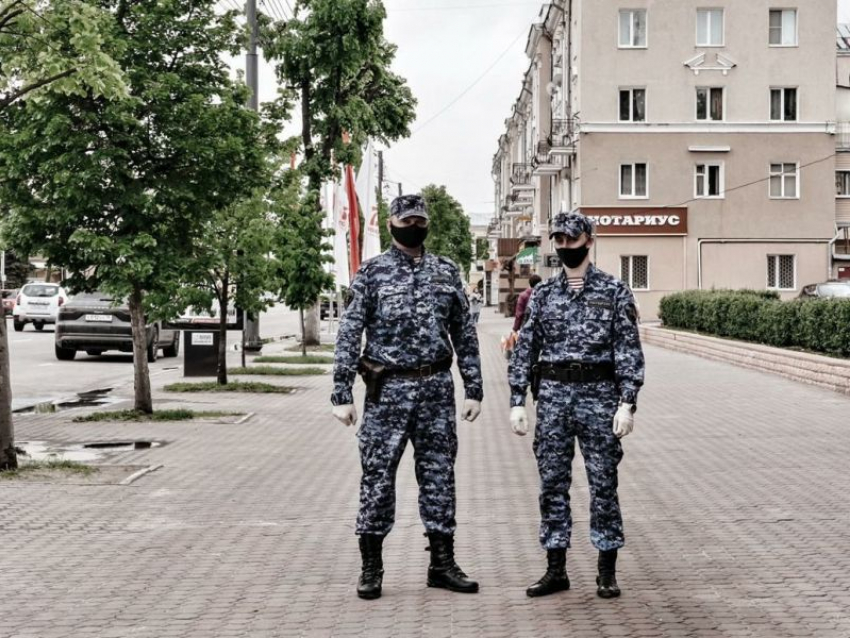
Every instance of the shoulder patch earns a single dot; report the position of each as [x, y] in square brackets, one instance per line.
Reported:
[631, 313]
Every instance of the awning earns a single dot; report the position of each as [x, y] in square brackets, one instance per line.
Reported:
[527, 256]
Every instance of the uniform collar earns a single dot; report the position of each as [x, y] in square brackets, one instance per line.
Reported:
[589, 277]
[399, 255]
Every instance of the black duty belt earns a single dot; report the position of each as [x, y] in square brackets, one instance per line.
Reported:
[423, 371]
[577, 372]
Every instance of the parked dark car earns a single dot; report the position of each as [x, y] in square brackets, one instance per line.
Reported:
[7, 298]
[93, 323]
[837, 289]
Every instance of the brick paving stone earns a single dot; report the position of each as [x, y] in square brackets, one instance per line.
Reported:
[734, 512]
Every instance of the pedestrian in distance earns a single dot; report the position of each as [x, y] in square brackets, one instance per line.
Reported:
[522, 303]
[580, 353]
[475, 302]
[413, 308]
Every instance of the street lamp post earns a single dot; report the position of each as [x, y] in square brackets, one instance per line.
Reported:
[252, 340]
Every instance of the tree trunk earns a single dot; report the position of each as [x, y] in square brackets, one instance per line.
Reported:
[142, 379]
[222, 331]
[303, 336]
[8, 458]
[312, 326]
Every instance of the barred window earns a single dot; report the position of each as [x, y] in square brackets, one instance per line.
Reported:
[842, 183]
[781, 272]
[634, 270]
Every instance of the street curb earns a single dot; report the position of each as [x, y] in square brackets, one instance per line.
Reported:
[803, 367]
[137, 475]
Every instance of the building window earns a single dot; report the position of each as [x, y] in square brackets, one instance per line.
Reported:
[781, 272]
[633, 29]
[634, 181]
[632, 105]
[842, 183]
[709, 180]
[634, 271]
[783, 105]
[709, 27]
[709, 103]
[784, 181]
[783, 27]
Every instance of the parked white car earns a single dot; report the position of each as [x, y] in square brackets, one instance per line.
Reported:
[38, 304]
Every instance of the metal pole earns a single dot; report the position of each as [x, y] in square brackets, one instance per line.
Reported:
[2, 268]
[399, 189]
[253, 343]
[380, 177]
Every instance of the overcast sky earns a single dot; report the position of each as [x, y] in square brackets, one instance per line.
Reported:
[444, 46]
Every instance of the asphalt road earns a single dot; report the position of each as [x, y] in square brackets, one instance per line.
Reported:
[37, 376]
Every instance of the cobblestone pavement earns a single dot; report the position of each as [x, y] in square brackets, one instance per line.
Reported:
[733, 490]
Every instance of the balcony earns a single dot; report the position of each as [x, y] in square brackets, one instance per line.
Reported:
[564, 137]
[521, 175]
[545, 163]
[842, 136]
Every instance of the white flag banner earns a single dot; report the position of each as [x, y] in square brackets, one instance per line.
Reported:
[341, 221]
[366, 193]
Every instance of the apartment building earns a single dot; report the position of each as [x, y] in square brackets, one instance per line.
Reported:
[701, 137]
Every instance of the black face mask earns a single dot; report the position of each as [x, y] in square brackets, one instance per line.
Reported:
[573, 257]
[409, 236]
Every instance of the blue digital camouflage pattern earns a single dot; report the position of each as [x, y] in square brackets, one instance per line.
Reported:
[571, 225]
[423, 412]
[408, 206]
[595, 325]
[414, 313]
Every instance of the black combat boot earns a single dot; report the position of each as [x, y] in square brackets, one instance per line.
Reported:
[444, 571]
[369, 585]
[555, 579]
[607, 580]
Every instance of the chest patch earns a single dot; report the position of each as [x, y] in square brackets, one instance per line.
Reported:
[602, 304]
[441, 278]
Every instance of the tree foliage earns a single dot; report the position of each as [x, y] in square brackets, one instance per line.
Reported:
[115, 191]
[60, 46]
[449, 233]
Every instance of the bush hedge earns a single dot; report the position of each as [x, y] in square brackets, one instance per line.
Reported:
[820, 325]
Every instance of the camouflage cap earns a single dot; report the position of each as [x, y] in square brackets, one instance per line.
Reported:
[408, 206]
[571, 224]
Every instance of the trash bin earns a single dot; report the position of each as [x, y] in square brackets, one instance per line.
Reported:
[200, 353]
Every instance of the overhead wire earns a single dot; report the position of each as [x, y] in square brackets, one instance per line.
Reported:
[473, 85]
[461, 7]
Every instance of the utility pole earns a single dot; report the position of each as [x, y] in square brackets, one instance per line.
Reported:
[399, 189]
[253, 343]
[2, 268]
[380, 177]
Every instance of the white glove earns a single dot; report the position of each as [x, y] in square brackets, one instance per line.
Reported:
[346, 414]
[624, 420]
[471, 410]
[519, 420]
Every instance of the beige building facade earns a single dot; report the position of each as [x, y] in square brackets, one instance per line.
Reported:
[701, 137]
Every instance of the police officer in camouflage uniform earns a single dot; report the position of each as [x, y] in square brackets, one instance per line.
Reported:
[580, 351]
[414, 311]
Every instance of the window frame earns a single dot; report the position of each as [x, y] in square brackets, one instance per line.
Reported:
[781, 11]
[634, 180]
[722, 179]
[631, 277]
[632, 13]
[704, 45]
[847, 172]
[782, 90]
[708, 118]
[631, 91]
[778, 259]
[783, 174]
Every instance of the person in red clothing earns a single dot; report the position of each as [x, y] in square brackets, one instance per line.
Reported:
[522, 302]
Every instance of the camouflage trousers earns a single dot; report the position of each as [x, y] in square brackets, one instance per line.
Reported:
[566, 411]
[421, 411]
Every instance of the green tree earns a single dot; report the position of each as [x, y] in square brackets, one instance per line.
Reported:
[233, 263]
[61, 46]
[116, 191]
[449, 233]
[482, 249]
[334, 55]
[303, 247]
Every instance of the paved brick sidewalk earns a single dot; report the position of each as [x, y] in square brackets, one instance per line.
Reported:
[733, 490]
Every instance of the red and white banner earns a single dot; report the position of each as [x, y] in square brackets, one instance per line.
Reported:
[367, 194]
[341, 218]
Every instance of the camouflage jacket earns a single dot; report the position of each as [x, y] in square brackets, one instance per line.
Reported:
[595, 325]
[412, 314]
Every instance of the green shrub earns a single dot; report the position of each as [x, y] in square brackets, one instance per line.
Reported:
[820, 325]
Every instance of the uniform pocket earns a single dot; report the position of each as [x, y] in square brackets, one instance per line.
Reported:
[393, 302]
